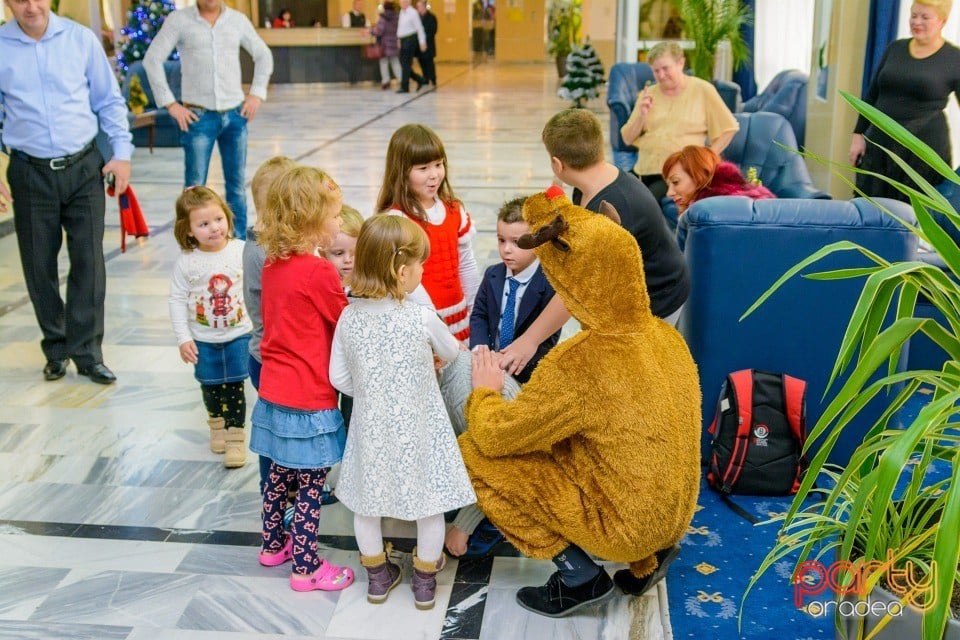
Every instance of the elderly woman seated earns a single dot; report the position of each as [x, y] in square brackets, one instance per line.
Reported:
[697, 172]
[678, 110]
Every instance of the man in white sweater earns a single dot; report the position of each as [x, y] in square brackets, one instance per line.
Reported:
[213, 108]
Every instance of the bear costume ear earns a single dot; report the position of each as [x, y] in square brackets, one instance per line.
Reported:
[610, 211]
[547, 233]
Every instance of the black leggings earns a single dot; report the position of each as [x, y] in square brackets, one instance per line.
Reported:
[227, 401]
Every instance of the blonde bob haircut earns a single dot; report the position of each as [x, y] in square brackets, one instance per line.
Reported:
[299, 202]
[664, 48]
[190, 200]
[350, 221]
[942, 7]
[386, 243]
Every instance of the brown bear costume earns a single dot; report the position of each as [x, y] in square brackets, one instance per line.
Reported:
[601, 448]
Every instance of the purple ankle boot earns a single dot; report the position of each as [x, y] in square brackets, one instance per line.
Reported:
[382, 576]
[425, 580]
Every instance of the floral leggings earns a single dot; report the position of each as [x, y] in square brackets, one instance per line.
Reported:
[306, 514]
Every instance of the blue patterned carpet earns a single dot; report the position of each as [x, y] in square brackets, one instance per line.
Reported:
[720, 553]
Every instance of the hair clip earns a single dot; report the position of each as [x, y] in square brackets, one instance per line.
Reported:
[193, 186]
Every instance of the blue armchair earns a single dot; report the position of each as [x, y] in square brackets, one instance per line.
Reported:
[736, 248]
[166, 131]
[758, 145]
[787, 95]
[626, 80]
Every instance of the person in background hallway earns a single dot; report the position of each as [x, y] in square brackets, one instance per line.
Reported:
[355, 18]
[427, 57]
[284, 20]
[52, 112]
[386, 33]
[208, 37]
[912, 84]
[677, 111]
[410, 34]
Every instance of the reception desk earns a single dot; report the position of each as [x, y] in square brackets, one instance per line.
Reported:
[316, 55]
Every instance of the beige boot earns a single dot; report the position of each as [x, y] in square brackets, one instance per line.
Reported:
[424, 583]
[236, 449]
[217, 435]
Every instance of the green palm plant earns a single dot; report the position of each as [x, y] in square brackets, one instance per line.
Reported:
[708, 23]
[879, 504]
[564, 24]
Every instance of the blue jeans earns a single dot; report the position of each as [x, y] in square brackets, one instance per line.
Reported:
[229, 130]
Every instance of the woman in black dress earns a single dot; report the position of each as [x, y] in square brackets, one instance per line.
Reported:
[911, 85]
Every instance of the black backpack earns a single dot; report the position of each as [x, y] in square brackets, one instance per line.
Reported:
[758, 435]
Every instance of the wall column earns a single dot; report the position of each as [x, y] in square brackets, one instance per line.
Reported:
[839, 43]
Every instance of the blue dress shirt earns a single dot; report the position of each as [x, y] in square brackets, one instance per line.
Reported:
[56, 92]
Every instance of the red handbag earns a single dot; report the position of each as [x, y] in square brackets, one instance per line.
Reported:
[373, 51]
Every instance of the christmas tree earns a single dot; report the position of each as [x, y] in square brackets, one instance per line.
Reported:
[584, 75]
[143, 22]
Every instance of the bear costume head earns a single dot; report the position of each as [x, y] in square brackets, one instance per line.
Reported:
[582, 253]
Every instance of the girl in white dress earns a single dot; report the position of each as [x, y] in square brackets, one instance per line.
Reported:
[401, 459]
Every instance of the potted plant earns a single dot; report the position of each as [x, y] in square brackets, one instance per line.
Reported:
[891, 535]
[708, 23]
[564, 22]
[137, 98]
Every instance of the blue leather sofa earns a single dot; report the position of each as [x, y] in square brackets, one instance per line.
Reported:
[736, 248]
[786, 95]
[625, 81]
[166, 133]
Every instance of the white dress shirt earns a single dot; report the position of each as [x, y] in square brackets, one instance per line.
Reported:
[410, 24]
[524, 278]
[210, 59]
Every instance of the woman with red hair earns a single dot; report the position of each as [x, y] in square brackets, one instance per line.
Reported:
[696, 172]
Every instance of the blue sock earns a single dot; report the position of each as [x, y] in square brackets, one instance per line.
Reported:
[575, 566]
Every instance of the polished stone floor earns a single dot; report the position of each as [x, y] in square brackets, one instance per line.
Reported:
[115, 519]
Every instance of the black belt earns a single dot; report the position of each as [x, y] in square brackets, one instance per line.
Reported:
[412, 35]
[196, 106]
[56, 164]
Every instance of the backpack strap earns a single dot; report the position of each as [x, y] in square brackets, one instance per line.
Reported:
[737, 509]
[794, 390]
[742, 383]
[794, 393]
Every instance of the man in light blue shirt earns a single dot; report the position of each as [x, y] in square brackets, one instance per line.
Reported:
[56, 91]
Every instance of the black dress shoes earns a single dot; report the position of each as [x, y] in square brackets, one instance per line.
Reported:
[99, 373]
[55, 369]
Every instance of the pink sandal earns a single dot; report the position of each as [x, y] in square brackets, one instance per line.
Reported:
[276, 558]
[328, 577]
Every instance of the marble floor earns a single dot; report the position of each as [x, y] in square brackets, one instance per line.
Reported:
[115, 519]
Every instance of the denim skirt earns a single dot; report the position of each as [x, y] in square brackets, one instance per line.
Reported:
[219, 362]
[297, 438]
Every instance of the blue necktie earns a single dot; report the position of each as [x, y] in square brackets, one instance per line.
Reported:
[508, 320]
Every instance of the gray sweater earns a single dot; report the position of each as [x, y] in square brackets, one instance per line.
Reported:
[253, 259]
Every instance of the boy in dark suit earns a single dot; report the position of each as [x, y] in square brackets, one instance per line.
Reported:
[511, 296]
[512, 293]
